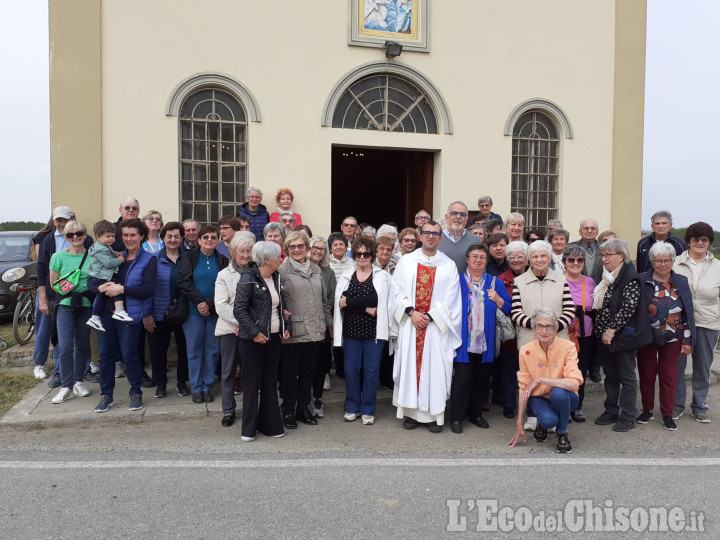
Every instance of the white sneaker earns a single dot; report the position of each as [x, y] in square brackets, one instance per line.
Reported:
[326, 385]
[63, 395]
[94, 368]
[350, 417]
[95, 324]
[122, 316]
[279, 435]
[368, 420]
[39, 373]
[247, 439]
[80, 390]
[530, 424]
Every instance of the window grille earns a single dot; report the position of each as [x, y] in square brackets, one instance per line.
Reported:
[535, 190]
[213, 155]
[385, 103]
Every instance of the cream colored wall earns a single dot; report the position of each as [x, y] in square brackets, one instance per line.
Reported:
[76, 107]
[486, 58]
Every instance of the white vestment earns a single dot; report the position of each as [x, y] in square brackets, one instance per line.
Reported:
[425, 402]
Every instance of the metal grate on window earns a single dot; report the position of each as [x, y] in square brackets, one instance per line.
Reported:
[213, 155]
[535, 189]
[385, 103]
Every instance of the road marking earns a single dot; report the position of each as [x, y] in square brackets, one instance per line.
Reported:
[559, 461]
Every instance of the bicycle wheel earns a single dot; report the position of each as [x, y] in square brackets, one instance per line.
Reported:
[24, 319]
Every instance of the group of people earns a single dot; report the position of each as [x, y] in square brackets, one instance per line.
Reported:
[437, 312]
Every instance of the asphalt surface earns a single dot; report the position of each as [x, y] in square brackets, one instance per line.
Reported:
[172, 471]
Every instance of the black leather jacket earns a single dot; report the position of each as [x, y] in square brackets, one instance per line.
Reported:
[253, 304]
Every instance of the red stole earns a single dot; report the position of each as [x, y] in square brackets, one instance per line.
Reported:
[423, 295]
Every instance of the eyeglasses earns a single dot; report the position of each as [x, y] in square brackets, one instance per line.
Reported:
[362, 255]
[131, 208]
[318, 249]
[461, 214]
[533, 240]
[663, 261]
[155, 218]
[544, 327]
[349, 225]
[77, 234]
[209, 237]
[431, 234]
[422, 218]
[589, 229]
[516, 258]
[703, 240]
[573, 260]
[608, 255]
[225, 227]
[296, 247]
[477, 258]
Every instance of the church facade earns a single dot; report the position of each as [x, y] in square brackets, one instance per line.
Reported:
[375, 109]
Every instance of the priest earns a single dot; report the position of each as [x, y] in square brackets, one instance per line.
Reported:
[426, 316]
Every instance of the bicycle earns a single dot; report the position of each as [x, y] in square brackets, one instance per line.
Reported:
[24, 317]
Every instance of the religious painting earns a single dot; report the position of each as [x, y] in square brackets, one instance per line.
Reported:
[373, 22]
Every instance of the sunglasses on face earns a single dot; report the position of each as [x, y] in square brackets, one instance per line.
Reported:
[209, 237]
[72, 235]
[362, 255]
[153, 218]
[349, 225]
[296, 247]
[431, 234]
[131, 208]
[573, 260]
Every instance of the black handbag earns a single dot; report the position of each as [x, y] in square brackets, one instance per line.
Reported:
[659, 337]
[178, 310]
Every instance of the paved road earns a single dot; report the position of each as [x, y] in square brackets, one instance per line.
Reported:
[188, 477]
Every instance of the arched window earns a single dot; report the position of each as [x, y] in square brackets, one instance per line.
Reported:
[535, 169]
[385, 102]
[213, 155]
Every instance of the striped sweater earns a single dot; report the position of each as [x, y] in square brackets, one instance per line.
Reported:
[531, 293]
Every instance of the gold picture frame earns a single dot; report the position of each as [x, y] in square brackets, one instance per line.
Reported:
[374, 22]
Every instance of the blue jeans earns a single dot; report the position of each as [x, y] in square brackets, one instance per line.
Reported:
[73, 343]
[43, 333]
[362, 360]
[555, 412]
[702, 358]
[202, 350]
[127, 336]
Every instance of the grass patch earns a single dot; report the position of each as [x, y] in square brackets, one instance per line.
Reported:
[6, 331]
[13, 386]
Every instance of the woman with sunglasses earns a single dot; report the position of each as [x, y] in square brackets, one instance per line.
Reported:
[581, 327]
[73, 311]
[361, 328]
[197, 272]
[154, 222]
[307, 302]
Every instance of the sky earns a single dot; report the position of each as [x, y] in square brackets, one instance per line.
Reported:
[682, 112]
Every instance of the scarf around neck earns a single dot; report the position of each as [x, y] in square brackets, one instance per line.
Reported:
[303, 268]
[608, 278]
[476, 316]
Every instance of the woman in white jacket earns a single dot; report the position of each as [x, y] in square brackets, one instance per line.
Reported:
[240, 250]
[702, 270]
[361, 327]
